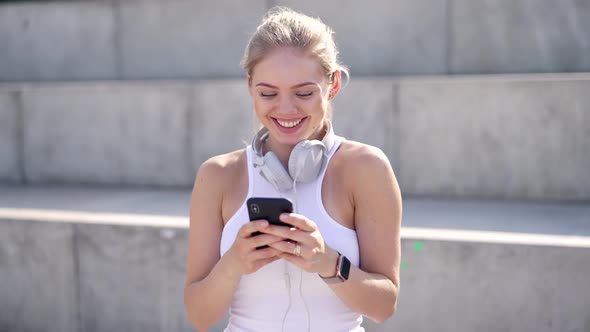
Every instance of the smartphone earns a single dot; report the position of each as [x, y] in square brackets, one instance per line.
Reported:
[269, 209]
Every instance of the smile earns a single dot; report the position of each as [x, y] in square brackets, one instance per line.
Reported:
[289, 124]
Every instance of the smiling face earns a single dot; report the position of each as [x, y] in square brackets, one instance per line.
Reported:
[291, 95]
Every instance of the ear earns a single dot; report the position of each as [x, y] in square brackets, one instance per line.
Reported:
[335, 84]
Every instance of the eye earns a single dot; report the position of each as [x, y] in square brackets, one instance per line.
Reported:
[304, 94]
[268, 94]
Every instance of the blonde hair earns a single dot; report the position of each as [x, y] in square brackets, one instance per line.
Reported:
[284, 27]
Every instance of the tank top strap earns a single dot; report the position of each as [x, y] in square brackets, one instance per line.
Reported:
[337, 141]
[251, 170]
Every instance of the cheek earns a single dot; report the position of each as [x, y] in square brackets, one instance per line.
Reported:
[316, 101]
[262, 108]
[261, 105]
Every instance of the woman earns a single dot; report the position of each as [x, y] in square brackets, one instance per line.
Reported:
[350, 212]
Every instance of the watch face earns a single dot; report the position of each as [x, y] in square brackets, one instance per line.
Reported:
[344, 268]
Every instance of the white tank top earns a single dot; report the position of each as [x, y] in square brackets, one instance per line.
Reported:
[261, 301]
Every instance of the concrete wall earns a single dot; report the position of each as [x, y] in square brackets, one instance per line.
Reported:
[111, 134]
[184, 38]
[222, 119]
[10, 131]
[39, 277]
[459, 286]
[69, 276]
[367, 111]
[491, 36]
[512, 137]
[88, 40]
[385, 37]
[58, 40]
[122, 133]
[131, 278]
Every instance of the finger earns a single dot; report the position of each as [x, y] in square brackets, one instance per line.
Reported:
[265, 261]
[298, 221]
[263, 240]
[290, 248]
[290, 233]
[254, 226]
[264, 253]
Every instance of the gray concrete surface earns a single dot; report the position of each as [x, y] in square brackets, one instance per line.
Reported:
[64, 276]
[491, 36]
[107, 133]
[222, 119]
[549, 217]
[57, 40]
[10, 158]
[569, 219]
[372, 120]
[131, 278]
[119, 200]
[508, 136]
[385, 37]
[185, 38]
[38, 263]
[457, 286]
[496, 138]
[82, 40]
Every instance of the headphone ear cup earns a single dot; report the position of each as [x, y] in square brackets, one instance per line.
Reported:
[306, 160]
[274, 172]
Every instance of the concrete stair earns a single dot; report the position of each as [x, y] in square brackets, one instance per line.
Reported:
[113, 259]
[500, 136]
[107, 109]
[152, 39]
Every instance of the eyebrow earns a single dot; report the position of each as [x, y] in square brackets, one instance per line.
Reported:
[293, 87]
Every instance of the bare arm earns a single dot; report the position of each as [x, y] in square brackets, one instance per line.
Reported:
[371, 289]
[211, 280]
[209, 283]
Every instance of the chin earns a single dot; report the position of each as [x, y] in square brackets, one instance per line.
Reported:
[289, 140]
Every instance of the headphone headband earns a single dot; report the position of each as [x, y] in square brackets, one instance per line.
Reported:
[305, 162]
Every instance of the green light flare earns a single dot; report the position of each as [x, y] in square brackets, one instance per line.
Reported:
[418, 246]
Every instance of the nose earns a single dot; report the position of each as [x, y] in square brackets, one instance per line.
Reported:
[286, 105]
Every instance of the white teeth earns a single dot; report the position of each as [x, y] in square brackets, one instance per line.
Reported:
[289, 124]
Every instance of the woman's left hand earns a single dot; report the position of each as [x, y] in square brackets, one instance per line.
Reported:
[303, 246]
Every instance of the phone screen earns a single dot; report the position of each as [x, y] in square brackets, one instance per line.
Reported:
[269, 209]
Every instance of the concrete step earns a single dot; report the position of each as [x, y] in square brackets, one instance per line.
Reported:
[106, 259]
[494, 136]
[94, 40]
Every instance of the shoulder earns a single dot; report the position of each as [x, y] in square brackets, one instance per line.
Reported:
[221, 169]
[224, 162]
[360, 157]
[366, 170]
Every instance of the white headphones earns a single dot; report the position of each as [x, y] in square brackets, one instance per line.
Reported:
[305, 162]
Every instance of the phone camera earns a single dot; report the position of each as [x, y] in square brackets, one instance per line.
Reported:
[255, 208]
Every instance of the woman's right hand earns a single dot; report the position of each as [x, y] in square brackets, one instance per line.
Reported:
[243, 253]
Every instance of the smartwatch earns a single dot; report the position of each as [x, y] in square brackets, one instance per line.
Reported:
[342, 271]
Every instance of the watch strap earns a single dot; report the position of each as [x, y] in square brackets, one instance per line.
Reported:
[342, 271]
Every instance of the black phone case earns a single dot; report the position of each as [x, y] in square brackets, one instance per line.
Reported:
[269, 209]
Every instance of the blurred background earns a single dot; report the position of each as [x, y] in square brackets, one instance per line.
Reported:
[108, 107]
